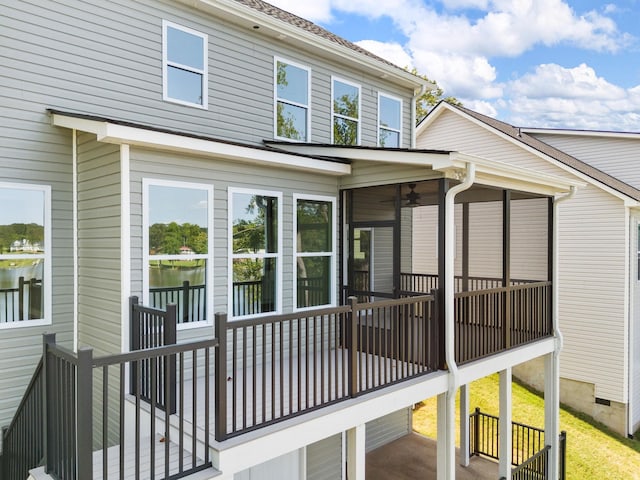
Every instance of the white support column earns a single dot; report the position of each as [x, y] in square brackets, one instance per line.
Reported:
[464, 425]
[552, 409]
[356, 456]
[443, 438]
[505, 424]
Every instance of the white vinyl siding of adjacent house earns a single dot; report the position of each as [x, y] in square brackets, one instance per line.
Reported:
[592, 260]
[634, 273]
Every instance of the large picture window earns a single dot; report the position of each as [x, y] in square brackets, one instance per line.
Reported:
[389, 121]
[345, 109]
[292, 94]
[314, 251]
[25, 258]
[184, 65]
[255, 269]
[178, 248]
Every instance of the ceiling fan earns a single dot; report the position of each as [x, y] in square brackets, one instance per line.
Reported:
[412, 197]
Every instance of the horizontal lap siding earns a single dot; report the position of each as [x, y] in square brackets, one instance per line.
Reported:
[324, 459]
[592, 260]
[635, 340]
[33, 152]
[386, 429]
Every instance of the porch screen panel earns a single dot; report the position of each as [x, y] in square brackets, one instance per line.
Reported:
[314, 252]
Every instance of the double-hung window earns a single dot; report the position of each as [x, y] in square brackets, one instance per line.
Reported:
[315, 246]
[292, 94]
[345, 108]
[389, 121]
[178, 248]
[25, 255]
[255, 269]
[184, 65]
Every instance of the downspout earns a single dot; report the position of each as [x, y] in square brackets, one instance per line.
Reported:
[449, 319]
[414, 100]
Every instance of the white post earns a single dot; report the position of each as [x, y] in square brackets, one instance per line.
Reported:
[443, 438]
[506, 407]
[551, 413]
[464, 425]
[356, 455]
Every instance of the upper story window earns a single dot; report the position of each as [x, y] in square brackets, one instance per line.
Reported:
[345, 108]
[389, 121]
[25, 255]
[292, 94]
[178, 248]
[184, 66]
[314, 250]
[255, 226]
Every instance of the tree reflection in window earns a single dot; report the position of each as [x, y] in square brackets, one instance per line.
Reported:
[292, 105]
[346, 113]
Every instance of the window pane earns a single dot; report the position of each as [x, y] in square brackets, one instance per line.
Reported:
[293, 83]
[345, 132]
[184, 85]
[314, 226]
[182, 282]
[389, 139]
[345, 99]
[185, 48]
[389, 113]
[292, 121]
[255, 224]
[314, 280]
[178, 220]
[254, 286]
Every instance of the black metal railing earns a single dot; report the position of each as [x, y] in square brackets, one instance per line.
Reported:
[151, 328]
[425, 282]
[529, 454]
[283, 365]
[494, 320]
[23, 302]
[23, 439]
[190, 301]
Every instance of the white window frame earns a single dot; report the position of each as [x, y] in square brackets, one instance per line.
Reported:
[380, 127]
[46, 256]
[209, 256]
[204, 72]
[331, 254]
[277, 60]
[335, 115]
[231, 256]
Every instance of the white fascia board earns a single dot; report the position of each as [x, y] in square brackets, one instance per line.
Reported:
[122, 134]
[301, 38]
[581, 133]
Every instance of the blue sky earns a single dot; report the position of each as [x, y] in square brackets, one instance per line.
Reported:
[537, 63]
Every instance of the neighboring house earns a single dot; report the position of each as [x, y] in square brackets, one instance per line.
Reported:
[282, 156]
[598, 251]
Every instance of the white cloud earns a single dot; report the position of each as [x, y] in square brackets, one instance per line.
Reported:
[393, 52]
[316, 11]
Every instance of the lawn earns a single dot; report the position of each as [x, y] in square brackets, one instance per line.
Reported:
[593, 451]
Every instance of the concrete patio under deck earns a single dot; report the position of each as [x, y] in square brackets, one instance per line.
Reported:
[414, 457]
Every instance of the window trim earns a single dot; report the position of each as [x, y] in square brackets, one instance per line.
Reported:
[380, 127]
[337, 115]
[204, 72]
[231, 256]
[277, 60]
[332, 254]
[209, 257]
[47, 256]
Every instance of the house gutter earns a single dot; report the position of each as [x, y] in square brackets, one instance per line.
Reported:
[414, 101]
[449, 319]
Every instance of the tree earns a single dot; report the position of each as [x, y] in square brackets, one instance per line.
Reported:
[430, 98]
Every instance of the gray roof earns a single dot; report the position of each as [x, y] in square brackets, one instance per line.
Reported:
[556, 154]
[311, 27]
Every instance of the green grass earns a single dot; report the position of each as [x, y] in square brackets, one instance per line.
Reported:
[593, 450]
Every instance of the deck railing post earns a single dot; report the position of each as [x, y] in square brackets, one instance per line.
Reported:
[352, 329]
[476, 432]
[170, 338]
[134, 342]
[221, 377]
[562, 457]
[48, 382]
[21, 284]
[84, 434]
[186, 308]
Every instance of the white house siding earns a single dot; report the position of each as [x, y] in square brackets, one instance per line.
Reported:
[386, 429]
[33, 152]
[324, 459]
[592, 260]
[635, 330]
[364, 174]
[613, 155]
